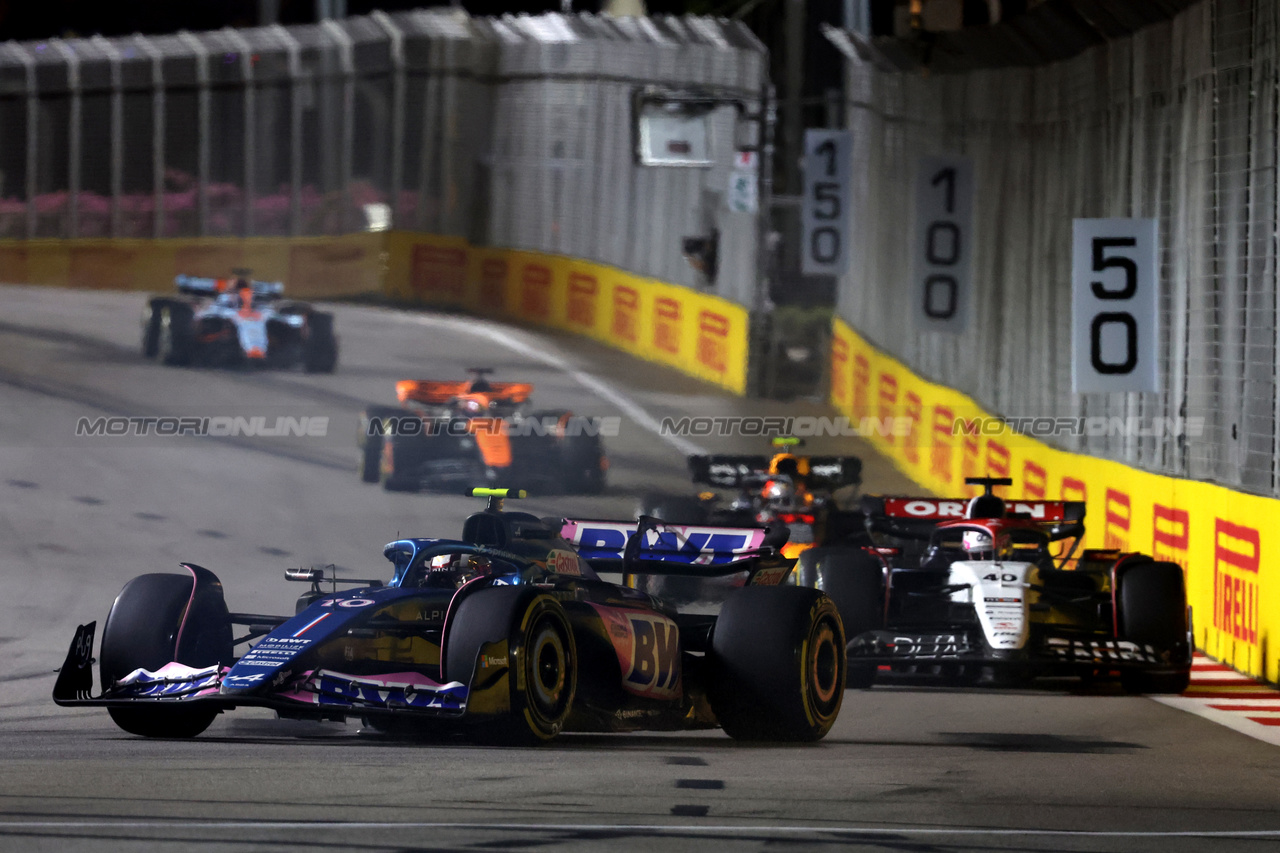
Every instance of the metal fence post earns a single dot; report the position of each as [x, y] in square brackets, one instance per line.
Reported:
[33, 123]
[117, 129]
[73, 135]
[250, 117]
[396, 152]
[760, 303]
[346, 59]
[202, 128]
[295, 127]
[157, 132]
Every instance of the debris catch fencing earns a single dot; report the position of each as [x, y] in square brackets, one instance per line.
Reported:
[515, 131]
[1180, 121]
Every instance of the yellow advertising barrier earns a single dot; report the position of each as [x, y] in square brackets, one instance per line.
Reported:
[702, 335]
[697, 333]
[1219, 536]
[314, 267]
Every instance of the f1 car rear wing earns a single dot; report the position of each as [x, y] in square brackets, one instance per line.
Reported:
[733, 471]
[437, 393]
[651, 546]
[916, 517]
[727, 471]
[213, 286]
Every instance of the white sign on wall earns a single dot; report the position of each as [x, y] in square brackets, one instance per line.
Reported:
[825, 205]
[942, 249]
[1114, 307]
[744, 183]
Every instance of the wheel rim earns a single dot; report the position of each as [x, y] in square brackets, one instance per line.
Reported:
[548, 664]
[823, 670]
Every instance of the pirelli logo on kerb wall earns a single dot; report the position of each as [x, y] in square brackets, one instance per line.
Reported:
[666, 324]
[1237, 558]
[440, 270]
[713, 341]
[535, 292]
[582, 299]
[626, 314]
[1170, 534]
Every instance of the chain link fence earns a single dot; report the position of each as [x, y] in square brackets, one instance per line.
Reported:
[516, 131]
[1181, 121]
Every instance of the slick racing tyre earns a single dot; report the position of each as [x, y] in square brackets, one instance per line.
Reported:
[1152, 599]
[854, 580]
[540, 653]
[320, 347]
[400, 463]
[146, 629]
[777, 664]
[583, 464]
[175, 334]
[369, 439]
[151, 327]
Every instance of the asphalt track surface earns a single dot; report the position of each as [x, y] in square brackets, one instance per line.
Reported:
[906, 768]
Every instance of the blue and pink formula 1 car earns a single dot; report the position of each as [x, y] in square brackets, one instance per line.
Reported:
[507, 631]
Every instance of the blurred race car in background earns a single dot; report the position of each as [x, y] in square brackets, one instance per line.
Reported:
[235, 322]
[451, 433]
[983, 588]
[508, 631]
[796, 490]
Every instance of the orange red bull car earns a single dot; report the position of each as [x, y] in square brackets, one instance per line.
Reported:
[796, 490]
[448, 434]
[237, 322]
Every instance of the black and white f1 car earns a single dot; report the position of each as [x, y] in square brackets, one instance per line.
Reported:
[508, 630]
[237, 321]
[960, 588]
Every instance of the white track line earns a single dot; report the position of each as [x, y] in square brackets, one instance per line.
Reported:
[507, 336]
[1226, 697]
[657, 829]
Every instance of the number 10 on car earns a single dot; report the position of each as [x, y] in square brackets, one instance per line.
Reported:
[1115, 290]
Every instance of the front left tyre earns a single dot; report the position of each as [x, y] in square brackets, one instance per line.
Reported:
[1152, 600]
[542, 657]
[157, 619]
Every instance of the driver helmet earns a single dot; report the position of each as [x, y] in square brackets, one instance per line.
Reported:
[977, 544]
[470, 406]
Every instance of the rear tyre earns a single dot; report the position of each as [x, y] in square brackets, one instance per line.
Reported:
[673, 509]
[777, 664]
[369, 441]
[142, 632]
[583, 462]
[854, 580]
[1153, 611]
[320, 347]
[400, 463]
[542, 657]
[151, 327]
[175, 337]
